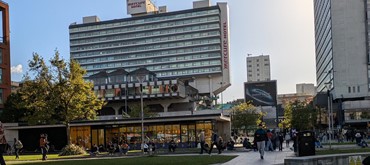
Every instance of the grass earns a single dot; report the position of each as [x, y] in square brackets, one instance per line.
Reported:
[336, 143]
[342, 151]
[153, 160]
[39, 156]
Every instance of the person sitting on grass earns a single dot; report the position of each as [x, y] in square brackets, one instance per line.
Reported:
[124, 148]
[172, 146]
[94, 150]
[318, 143]
[230, 144]
[363, 143]
[111, 148]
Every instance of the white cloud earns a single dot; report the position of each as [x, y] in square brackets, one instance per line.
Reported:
[17, 69]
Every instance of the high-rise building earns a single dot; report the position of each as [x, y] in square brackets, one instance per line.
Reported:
[258, 68]
[191, 46]
[342, 57]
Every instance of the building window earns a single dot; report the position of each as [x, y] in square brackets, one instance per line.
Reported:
[1, 76]
[349, 89]
[354, 89]
[258, 69]
[258, 64]
[258, 60]
[358, 89]
[1, 96]
[1, 56]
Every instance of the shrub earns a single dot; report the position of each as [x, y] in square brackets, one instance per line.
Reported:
[72, 149]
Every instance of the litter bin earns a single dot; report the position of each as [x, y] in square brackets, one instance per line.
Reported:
[306, 143]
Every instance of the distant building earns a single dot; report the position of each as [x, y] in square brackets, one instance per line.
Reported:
[15, 86]
[258, 68]
[308, 89]
[342, 58]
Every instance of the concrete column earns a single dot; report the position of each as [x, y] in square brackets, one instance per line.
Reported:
[116, 109]
[165, 106]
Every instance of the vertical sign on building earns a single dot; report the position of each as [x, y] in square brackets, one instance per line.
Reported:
[225, 44]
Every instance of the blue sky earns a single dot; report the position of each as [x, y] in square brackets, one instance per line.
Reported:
[282, 29]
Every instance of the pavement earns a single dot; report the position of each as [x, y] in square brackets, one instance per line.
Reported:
[252, 157]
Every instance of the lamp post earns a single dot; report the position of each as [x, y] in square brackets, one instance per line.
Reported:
[140, 78]
[328, 86]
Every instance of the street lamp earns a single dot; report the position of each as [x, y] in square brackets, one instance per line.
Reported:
[330, 113]
[140, 77]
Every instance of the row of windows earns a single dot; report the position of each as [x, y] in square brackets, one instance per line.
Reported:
[149, 54]
[144, 21]
[149, 61]
[136, 47]
[132, 91]
[154, 68]
[189, 72]
[149, 27]
[354, 89]
[171, 73]
[145, 38]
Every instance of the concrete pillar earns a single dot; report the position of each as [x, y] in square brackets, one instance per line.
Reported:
[116, 109]
[165, 106]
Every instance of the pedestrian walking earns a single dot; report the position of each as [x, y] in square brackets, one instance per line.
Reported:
[3, 144]
[202, 140]
[260, 137]
[17, 146]
[43, 146]
[287, 139]
[215, 142]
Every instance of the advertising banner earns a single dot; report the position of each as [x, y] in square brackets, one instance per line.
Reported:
[261, 93]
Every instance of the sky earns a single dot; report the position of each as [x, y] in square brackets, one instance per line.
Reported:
[283, 29]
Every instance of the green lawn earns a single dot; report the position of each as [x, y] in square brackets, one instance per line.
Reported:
[156, 160]
[38, 157]
[342, 151]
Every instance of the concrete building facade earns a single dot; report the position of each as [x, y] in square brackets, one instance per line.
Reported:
[342, 55]
[172, 61]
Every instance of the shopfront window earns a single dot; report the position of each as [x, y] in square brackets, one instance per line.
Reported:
[81, 136]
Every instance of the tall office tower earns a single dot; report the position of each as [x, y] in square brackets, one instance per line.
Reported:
[5, 82]
[342, 57]
[189, 45]
[258, 68]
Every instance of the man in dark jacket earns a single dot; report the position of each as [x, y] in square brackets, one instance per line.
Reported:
[214, 139]
[260, 136]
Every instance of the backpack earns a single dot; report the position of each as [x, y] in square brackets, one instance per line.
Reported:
[18, 145]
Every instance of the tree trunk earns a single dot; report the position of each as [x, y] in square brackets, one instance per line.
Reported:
[68, 129]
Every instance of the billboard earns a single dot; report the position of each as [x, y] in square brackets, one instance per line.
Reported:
[136, 6]
[261, 93]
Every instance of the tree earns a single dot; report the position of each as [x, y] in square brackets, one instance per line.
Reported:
[58, 93]
[14, 110]
[300, 115]
[245, 116]
[135, 111]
